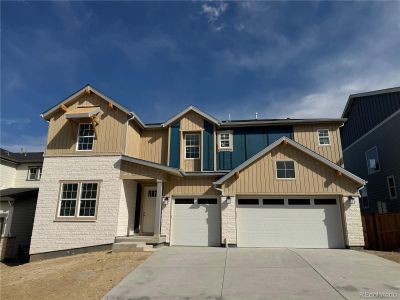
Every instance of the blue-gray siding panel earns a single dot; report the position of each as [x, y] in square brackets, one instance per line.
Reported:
[208, 146]
[247, 142]
[367, 112]
[175, 146]
[386, 139]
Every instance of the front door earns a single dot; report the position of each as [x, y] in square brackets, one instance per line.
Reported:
[149, 204]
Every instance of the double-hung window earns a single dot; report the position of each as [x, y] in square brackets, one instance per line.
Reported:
[225, 141]
[285, 169]
[192, 146]
[85, 137]
[78, 199]
[323, 137]
[34, 173]
[392, 187]
[372, 160]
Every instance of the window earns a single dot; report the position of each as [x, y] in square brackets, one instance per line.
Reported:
[299, 201]
[34, 173]
[392, 187]
[372, 160]
[184, 201]
[325, 201]
[192, 146]
[225, 141]
[285, 169]
[248, 201]
[207, 201]
[323, 137]
[69, 195]
[273, 202]
[85, 137]
[78, 199]
[152, 193]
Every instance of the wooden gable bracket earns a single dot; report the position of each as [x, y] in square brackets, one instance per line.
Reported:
[237, 174]
[87, 90]
[338, 173]
[110, 105]
[285, 142]
[94, 124]
[64, 108]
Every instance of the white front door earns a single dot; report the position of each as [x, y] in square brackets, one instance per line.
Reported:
[149, 204]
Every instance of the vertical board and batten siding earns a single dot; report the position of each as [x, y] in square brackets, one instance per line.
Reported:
[133, 144]
[174, 145]
[189, 186]
[312, 177]
[247, 142]
[129, 170]
[62, 136]
[307, 135]
[154, 143]
[208, 146]
[367, 112]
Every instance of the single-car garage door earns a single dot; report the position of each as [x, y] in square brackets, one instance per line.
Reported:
[195, 222]
[289, 222]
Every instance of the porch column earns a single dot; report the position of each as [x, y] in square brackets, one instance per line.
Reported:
[157, 213]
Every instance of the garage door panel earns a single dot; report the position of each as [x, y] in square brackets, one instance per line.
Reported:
[297, 226]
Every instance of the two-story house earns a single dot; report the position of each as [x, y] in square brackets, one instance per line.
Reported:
[191, 180]
[371, 147]
[19, 184]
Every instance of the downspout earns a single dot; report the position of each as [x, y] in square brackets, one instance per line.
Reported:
[218, 189]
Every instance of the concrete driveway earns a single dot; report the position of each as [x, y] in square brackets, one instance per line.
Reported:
[256, 273]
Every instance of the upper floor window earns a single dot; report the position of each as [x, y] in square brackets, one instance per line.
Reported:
[78, 199]
[225, 140]
[285, 169]
[85, 137]
[192, 146]
[34, 173]
[323, 137]
[392, 187]
[372, 160]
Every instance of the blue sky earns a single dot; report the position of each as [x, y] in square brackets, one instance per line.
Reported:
[280, 59]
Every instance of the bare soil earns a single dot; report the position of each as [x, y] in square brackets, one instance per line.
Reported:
[83, 276]
[390, 255]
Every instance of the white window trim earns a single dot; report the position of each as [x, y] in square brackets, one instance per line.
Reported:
[184, 140]
[366, 160]
[29, 173]
[394, 186]
[77, 138]
[276, 169]
[76, 216]
[329, 137]
[230, 133]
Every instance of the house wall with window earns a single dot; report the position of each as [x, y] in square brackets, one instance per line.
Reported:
[387, 145]
[7, 174]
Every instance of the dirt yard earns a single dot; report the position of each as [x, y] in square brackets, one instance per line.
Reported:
[394, 256]
[84, 276]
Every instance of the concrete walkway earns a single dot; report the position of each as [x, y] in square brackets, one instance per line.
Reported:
[256, 273]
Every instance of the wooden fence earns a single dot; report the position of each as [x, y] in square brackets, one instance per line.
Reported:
[382, 231]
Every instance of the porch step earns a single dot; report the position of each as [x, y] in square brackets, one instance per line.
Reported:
[131, 247]
[141, 239]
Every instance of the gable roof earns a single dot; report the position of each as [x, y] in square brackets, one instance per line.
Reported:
[351, 98]
[46, 115]
[170, 170]
[19, 158]
[297, 146]
[185, 111]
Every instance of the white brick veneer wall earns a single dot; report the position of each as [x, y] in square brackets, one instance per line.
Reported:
[166, 219]
[352, 223]
[50, 235]
[228, 221]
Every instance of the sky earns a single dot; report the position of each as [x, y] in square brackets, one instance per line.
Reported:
[279, 59]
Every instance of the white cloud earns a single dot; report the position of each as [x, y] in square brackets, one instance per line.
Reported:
[27, 143]
[15, 121]
[213, 12]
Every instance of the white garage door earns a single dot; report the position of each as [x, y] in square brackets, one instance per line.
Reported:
[294, 222]
[195, 222]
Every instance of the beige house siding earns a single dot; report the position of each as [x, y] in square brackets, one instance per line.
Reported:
[133, 140]
[7, 174]
[135, 171]
[312, 177]
[307, 135]
[176, 186]
[154, 145]
[62, 134]
[192, 121]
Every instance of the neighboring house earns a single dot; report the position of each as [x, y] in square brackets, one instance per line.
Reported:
[192, 180]
[19, 184]
[371, 147]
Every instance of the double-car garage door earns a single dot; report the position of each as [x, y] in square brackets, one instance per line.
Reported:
[289, 222]
[196, 222]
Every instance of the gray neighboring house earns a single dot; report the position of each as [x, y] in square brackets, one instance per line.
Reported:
[19, 185]
[371, 147]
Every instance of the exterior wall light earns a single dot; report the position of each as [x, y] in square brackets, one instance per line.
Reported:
[228, 200]
[352, 200]
[166, 199]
